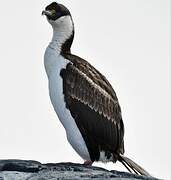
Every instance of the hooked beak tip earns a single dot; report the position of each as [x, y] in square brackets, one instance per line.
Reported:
[43, 12]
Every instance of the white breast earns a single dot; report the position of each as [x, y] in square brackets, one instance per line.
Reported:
[53, 65]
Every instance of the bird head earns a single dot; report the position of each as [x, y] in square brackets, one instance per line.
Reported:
[63, 28]
[57, 15]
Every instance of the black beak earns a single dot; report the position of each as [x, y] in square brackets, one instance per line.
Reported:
[47, 13]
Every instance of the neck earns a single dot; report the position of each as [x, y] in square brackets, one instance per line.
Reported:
[63, 35]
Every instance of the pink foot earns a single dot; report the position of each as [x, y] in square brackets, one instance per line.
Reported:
[89, 163]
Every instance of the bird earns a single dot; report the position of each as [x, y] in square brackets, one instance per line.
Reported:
[83, 99]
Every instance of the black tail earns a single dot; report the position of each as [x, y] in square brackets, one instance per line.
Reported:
[131, 166]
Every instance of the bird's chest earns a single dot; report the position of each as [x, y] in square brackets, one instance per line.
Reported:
[53, 65]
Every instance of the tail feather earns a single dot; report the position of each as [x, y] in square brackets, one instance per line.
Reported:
[132, 166]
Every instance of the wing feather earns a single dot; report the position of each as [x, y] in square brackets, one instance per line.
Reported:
[82, 88]
[95, 107]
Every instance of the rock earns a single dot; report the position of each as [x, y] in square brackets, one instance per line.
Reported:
[33, 170]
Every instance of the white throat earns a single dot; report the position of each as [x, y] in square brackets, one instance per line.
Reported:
[62, 30]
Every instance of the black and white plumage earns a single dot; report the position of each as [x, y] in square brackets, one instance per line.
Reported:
[83, 99]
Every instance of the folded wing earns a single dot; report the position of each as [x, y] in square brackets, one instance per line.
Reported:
[95, 108]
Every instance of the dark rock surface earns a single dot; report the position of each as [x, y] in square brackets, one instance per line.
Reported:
[33, 170]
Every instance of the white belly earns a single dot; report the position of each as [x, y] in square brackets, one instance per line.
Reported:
[53, 65]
